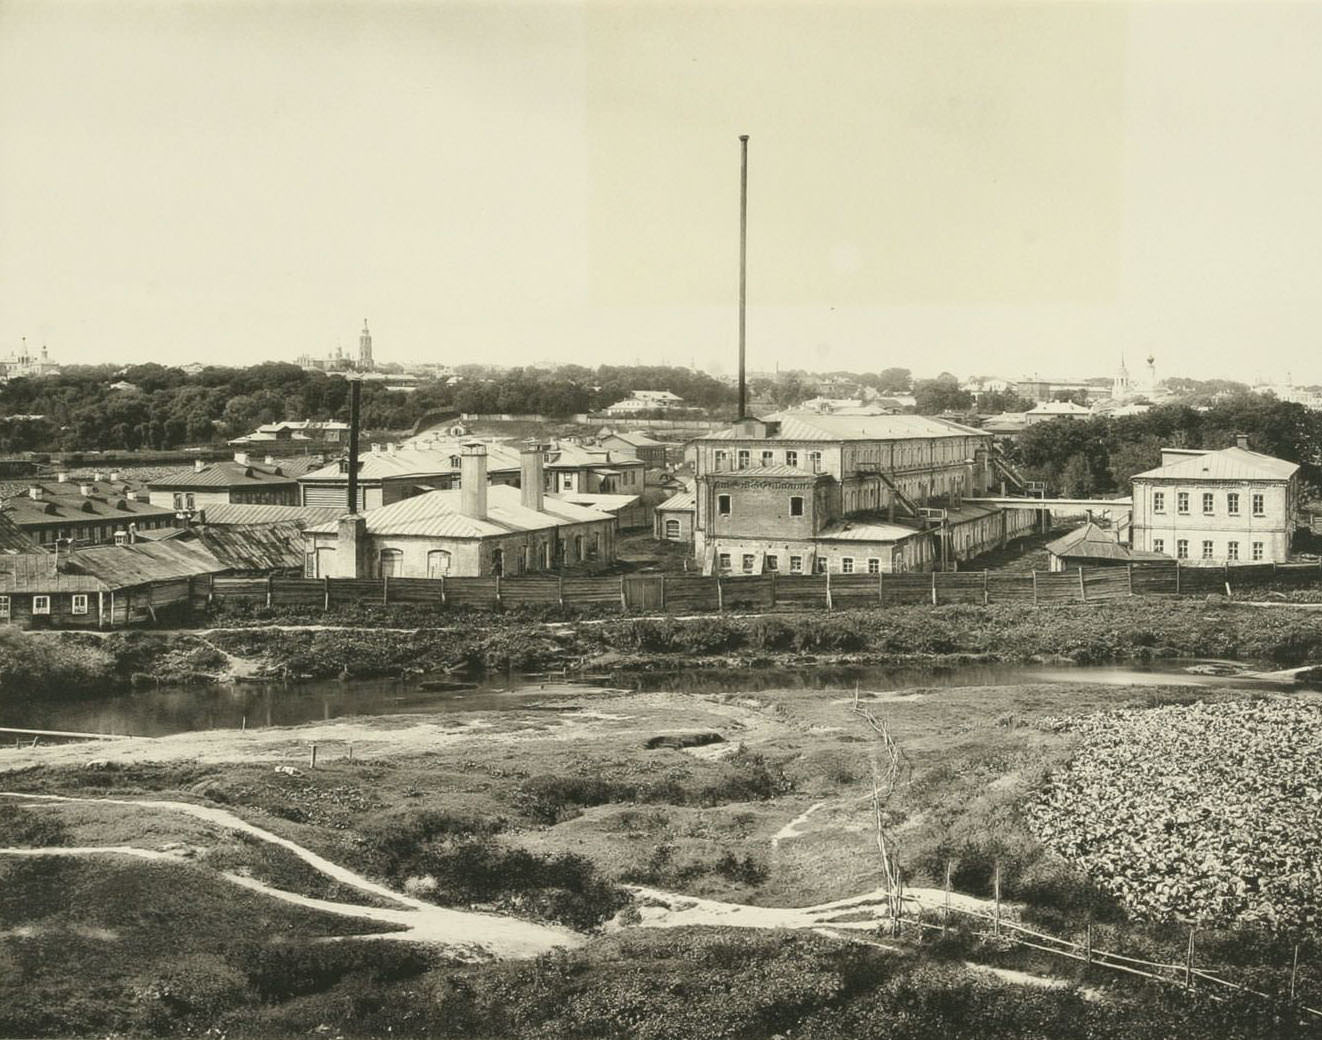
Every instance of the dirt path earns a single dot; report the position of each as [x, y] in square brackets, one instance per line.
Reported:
[463, 932]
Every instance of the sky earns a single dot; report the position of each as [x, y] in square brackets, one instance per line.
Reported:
[986, 188]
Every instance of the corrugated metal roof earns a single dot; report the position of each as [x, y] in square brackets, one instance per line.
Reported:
[809, 426]
[769, 471]
[12, 538]
[685, 500]
[1226, 464]
[606, 503]
[1095, 543]
[235, 513]
[575, 456]
[850, 531]
[255, 547]
[65, 502]
[223, 474]
[106, 567]
[436, 515]
[414, 462]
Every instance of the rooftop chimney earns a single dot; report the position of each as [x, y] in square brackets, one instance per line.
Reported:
[62, 476]
[1242, 441]
[34, 492]
[531, 486]
[114, 475]
[241, 457]
[199, 465]
[473, 481]
[86, 490]
[270, 460]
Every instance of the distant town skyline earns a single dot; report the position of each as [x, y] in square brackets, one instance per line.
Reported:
[989, 189]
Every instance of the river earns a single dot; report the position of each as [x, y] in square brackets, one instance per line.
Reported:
[177, 709]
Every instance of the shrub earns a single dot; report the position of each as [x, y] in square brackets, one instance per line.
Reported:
[21, 826]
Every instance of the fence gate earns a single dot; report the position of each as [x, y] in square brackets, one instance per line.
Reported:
[644, 591]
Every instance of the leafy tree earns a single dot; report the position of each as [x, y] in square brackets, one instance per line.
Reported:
[933, 396]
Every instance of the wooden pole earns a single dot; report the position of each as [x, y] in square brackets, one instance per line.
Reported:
[1088, 941]
[1188, 963]
[385, 588]
[1131, 578]
[1035, 588]
[269, 579]
[624, 599]
[1083, 589]
[830, 605]
[312, 757]
[211, 590]
[934, 588]
[773, 590]
[945, 914]
[663, 590]
[560, 590]
[881, 591]
[1294, 972]
[325, 593]
[996, 883]
[986, 597]
[1177, 577]
[743, 264]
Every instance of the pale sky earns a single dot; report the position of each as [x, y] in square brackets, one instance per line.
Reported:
[983, 187]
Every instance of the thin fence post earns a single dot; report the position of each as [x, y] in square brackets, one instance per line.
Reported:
[1294, 972]
[934, 588]
[211, 590]
[624, 600]
[986, 597]
[996, 882]
[499, 600]
[773, 590]
[312, 757]
[1034, 587]
[325, 593]
[663, 590]
[269, 579]
[830, 605]
[560, 589]
[881, 590]
[442, 590]
[945, 914]
[385, 588]
[1188, 963]
[1177, 577]
[1088, 946]
[1131, 579]
[720, 594]
[1083, 589]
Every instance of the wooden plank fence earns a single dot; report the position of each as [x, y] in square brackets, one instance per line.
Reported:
[694, 593]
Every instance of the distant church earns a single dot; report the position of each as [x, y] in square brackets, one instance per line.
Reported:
[340, 361]
[1124, 388]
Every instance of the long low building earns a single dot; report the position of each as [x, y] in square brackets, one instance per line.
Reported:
[477, 529]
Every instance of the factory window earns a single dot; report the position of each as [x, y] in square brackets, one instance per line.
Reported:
[846, 565]
[1232, 550]
[594, 552]
[1207, 549]
[819, 565]
[744, 456]
[1257, 550]
[748, 563]
[1207, 501]
[672, 530]
[1182, 502]
[772, 562]
[1159, 545]
[815, 461]
[796, 505]
[41, 604]
[1259, 504]
[723, 505]
[1232, 503]
[80, 602]
[725, 563]
[720, 460]
[1159, 501]
[796, 564]
[438, 563]
[792, 458]
[766, 458]
[874, 565]
[1182, 549]
[4, 607]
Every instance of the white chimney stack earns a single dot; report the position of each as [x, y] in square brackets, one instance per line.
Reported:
[241, 457]
[198, 465]
[62, 476]
[86, 490]
[473, 481]
[531, 486]
[34, 492]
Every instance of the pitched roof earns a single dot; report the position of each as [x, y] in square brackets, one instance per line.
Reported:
[682, 502]
[638, 439]
[1059, 408]
[228, 513]
[255, 547]
[223, 474]
[104, 568]
[1094, 543]
[12, 538]
[413, 462]
[606, 503]
[866, 531]
[436, 515]
[1226, 464]
[576, 456]
[810, 426]
[66, 503]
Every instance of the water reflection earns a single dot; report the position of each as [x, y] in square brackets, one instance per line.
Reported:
[164, 710]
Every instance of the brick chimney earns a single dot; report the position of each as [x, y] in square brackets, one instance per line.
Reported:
[1242, 441]
[241, 457]
[350, 547]
[86, 490]
[531, 481]
[473, 481]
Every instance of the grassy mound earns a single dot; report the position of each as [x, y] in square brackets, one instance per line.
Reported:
[1208, 812]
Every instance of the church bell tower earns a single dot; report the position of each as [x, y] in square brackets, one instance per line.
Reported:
[365, 348]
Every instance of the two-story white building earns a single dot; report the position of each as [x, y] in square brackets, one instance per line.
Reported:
[1217, 507]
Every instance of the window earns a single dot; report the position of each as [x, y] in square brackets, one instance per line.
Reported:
[179, 500]
[4, 607]
[874, 565]
[815, 461]
[1232, 503]
[766, 458]
[1182, 502]
[389, 562]
[80, 602]
[498, 562]
[594, 550]
[672, 530]
[1232, 550]
[744, 455]
[1159, 545]
[748, 563]
[1207, 501]
[792, 458]
[1259, 504]
[796, 564]
[819, 565]
[1257, 550]
[41, 604]
[773, 563]
[724, 562]
[846, 565]
[720, 460]
[1207, 550]
[723, 505]
[438, 563]
[796, 505]
[1182, 549]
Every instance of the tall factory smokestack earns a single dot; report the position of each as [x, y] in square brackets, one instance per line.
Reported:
[355, 392]
[743, 266]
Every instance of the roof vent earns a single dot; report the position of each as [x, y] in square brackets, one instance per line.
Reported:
[34, 492]
[87, 507]
[121, 505]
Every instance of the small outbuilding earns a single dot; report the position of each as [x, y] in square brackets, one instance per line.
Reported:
[1093, 546]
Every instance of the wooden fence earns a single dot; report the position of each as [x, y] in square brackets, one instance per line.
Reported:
[691, 593]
